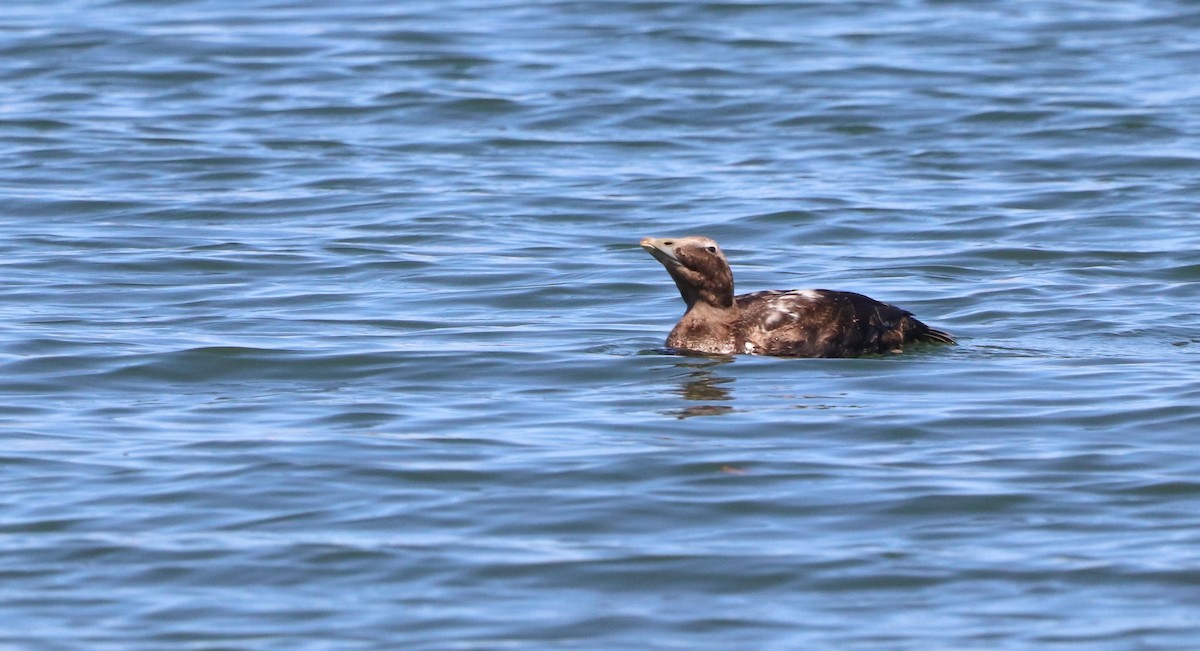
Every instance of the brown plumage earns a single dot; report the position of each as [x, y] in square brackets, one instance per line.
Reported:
[795, 323]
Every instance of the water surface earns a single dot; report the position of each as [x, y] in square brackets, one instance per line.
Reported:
[325, 326]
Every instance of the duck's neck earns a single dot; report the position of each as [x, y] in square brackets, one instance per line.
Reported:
[701, 311]
[708, 294]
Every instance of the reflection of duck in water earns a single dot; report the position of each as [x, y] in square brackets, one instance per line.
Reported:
[796, 323]
[702, 385]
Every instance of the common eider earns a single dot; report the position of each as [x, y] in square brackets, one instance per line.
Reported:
[795, 323]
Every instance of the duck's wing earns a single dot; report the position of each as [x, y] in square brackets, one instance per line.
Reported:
[825, 323]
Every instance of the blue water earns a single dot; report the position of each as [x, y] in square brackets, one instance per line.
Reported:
[324, 325]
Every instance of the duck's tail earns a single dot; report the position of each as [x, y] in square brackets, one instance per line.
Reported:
[936, 336]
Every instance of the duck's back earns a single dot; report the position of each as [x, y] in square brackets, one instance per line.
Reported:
[824, 323]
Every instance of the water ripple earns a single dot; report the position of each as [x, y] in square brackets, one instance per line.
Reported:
[326, 325]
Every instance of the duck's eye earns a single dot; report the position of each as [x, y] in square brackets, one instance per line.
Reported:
[668, 243]
[712, 249]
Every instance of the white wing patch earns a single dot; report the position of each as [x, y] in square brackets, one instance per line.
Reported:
[781, 296]
[801, 294]
[784, 307]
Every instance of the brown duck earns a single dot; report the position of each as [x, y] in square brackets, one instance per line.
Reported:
[794, 323]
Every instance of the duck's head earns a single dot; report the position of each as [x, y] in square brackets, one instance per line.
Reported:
[697, 266]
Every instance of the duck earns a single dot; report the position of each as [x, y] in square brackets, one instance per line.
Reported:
[785, 323]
